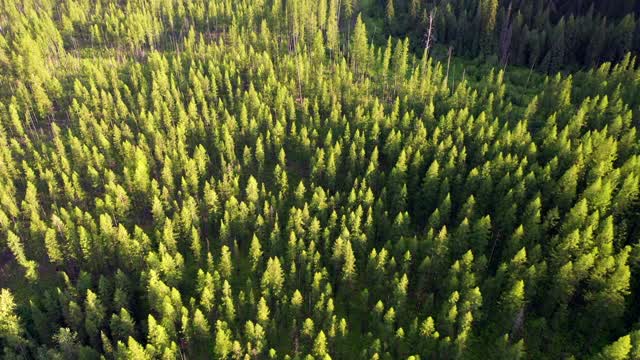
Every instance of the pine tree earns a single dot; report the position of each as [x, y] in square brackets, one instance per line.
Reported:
[11, 329]
[359, 47]
[122, 325]
[263, 312]
[618, 350]
[53, 247]
[201, 328]
[252, 191]
[296, 302]
[94, 315]
[223, 341]
[273, 278]
[390, 12]
[255, 253]
[322, 14]
[349, 264]
[226, 264]
[400, 57]
[557, 51]
[332, 28]
[348, 7]
[15, 244]
[487, 12]
[320, 345]
[300, 193]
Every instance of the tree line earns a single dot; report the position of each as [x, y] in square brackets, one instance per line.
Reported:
[545, 35]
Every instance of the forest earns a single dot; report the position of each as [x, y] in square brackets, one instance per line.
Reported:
[319, 179]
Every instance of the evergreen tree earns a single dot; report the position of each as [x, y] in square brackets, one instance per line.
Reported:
[359, 47]
[390, 12]
[11, 330]
[320, 345]
[332, 27]
[255, 253]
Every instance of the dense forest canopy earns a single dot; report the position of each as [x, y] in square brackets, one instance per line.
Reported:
[319, 179]
[548, 35]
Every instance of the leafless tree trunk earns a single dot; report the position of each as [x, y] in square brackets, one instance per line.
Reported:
[505, 38]
[530, 72]
[518, 322]
[299, 79]
[429, 32]
[449, 60]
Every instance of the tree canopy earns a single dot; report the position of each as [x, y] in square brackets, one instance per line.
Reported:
[306, 180]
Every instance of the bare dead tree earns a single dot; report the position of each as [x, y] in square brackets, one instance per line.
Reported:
[518, 323]
[428, 35]
[530, 73]
[449, 60]
[299, 77]
[505, 37]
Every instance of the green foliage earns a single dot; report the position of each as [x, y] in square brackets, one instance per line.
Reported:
[11, 329]
[260, 179]
[543, 35]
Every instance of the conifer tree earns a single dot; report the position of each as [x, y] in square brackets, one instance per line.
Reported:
[320, 345]
[332, 27]
[11, 330]
[390, 12]
[273, 278]
[255, 253]
[359, 47]
[15, 244]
